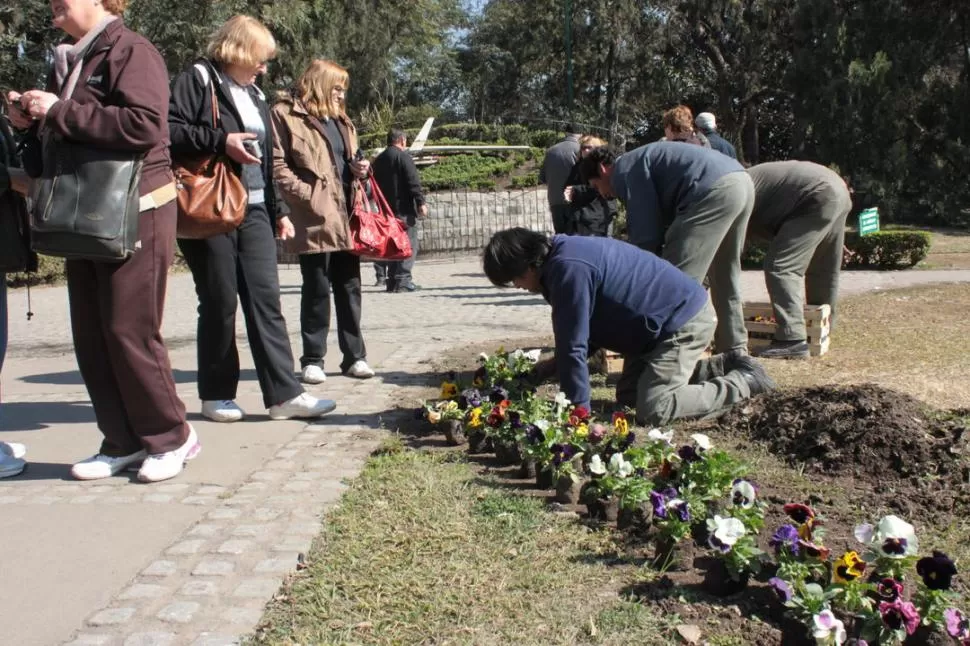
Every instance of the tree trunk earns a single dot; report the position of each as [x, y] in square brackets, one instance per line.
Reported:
[749, 134]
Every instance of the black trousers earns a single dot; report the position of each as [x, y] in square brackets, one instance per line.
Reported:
[241, 263]
[399, 272]
[339, 272]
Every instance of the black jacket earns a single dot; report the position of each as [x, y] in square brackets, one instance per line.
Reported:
[15, 253]
[398, 179]
[590, 213]
[190, 121]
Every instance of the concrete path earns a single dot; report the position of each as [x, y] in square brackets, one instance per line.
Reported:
[194, 560]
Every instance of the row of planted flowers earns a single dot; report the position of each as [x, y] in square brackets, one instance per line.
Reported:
[670, 492]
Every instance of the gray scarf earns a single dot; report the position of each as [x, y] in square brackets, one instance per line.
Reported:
[71, 57]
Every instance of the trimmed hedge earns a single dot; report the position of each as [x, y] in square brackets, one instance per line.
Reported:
[466, 133]
[880, 250]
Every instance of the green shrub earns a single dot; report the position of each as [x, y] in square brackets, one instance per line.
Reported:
[888, 249]
[526, 181]
[880, 250]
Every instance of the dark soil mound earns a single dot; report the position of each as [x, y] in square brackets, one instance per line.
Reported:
[880, 437]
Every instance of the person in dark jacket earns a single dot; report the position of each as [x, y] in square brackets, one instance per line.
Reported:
[707, 126]
[609, 294]
[554, 173]
[800, 209]
[398, 179]
[241, 263]
[115, 96]
[591, 214]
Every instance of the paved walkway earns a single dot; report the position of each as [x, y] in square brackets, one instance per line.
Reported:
[194, 560]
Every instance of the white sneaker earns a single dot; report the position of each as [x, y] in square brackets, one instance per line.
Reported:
[13, 449]
[303, 405]
[10, 466]
[163, 466]
[313, 375]
[360, 370]
[104, 466]
[222, 410]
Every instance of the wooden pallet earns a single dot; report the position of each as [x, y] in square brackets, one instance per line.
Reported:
[760, 333]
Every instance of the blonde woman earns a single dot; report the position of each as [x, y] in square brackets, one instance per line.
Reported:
[590, 213]
[314, 160]
[241, 263]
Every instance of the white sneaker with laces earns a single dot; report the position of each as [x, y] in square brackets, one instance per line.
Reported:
[313, 375]
[222, 410]
[104, 466]
[10, 466]
[13, 449]
[163, 466]
[303, 405]
[360, 370]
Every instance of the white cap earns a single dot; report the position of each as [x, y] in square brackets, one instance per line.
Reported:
[705, 121]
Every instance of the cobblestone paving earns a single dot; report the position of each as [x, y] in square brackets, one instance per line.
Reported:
[209, 586]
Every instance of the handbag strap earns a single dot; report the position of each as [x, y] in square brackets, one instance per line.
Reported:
[379, 198]
[207, 72]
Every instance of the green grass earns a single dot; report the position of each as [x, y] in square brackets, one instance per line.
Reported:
[423, 551]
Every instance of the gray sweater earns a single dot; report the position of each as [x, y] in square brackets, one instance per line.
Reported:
[557, 166]
[781, 188]
[659, 181]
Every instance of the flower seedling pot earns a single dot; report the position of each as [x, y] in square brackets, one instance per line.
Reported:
[667, 555]
[638, 518]
[455, 432]
[507, 453]
[478, 442]
[718, 580]
[603, 509]
[928, 636]
[568, 490]
[543, 479]
[528, 470]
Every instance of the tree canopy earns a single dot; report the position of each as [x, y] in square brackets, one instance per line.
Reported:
[875, 88]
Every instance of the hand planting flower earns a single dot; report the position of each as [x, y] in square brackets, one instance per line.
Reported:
[449, 390]
[827, 629]
[702, 441]
[781, 588]
[743, 494]
[899, 615]
[725, 532]
[957, 625]
[848, 568]
[596, 433]
[937, 571]
[656, 435]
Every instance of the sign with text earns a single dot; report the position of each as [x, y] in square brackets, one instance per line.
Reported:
[868, 221]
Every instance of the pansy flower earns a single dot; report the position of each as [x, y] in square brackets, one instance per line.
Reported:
[449, 390]
[627, 440]
[581, 432]
[474, 418]
[899, 614]
[620, 466]
[782, 589]
[515, 419]
[498, 394]
[656, 435]
[892, 538]
[496, 417]
[596, 433]
[434, 416]
[743, 493]
[848, 568]
[957, 625]
[799, 513]
[661, 501]
[937, 570]
[688, 453]
[480, 377]
[562, 453]
[813, 550]
[534, 434]
[470, 398]
[725, 533]
[620, 425]
[581, 413]
[889, 589]
[702, 442]
[827, 629]
[785, 539]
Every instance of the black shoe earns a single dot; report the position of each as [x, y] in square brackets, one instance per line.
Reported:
[785, 350]
[380, 282]
[754, 374]
[407, 288]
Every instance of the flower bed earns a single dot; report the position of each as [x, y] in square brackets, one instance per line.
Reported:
[699, 507]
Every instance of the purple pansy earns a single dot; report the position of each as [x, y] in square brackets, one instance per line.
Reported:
[899, 614]
[470, 398]
[562, 453]
[937, 570]
[785, 538]
[957, 625]
[781, 588]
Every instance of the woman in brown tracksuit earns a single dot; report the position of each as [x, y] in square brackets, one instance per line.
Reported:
[314, 163]
[120, 101]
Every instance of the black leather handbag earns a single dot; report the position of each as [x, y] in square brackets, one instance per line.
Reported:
[86, 202]
[15, 254]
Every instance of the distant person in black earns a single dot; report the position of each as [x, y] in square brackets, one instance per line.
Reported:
[590, 213]
[397, 177]
[707, 125]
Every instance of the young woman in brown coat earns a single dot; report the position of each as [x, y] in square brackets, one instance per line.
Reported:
[314, 165]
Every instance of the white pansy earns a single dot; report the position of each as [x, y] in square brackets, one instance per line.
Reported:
[743, 494]
[702, 441]
[482, 358]
[542, 424]
[656, 435]
[562, 402]
[596, 466]
[533, 355]
[728, 530]
[892, 538]
[827, 629]
[620, 466]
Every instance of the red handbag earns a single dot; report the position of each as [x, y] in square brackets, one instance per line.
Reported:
[374, 230]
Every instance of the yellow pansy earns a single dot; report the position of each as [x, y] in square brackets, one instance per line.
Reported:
[582, 431]
[434, 416]
[474, 418]
[449, 390]
[621, 426]
[848, 568]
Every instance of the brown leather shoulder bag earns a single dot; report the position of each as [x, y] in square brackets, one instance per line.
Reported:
[211, 197]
